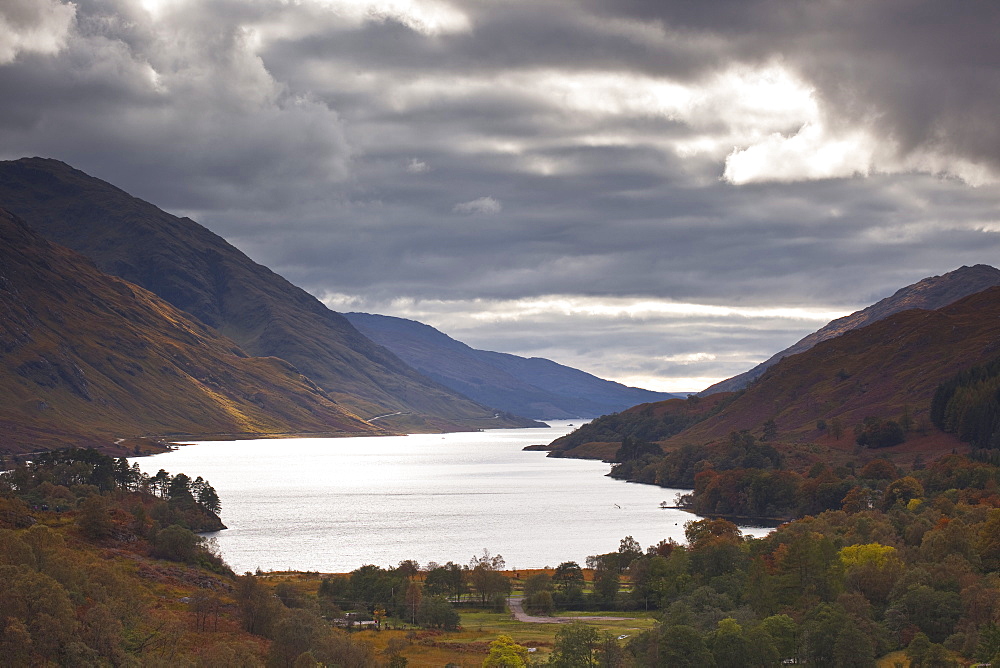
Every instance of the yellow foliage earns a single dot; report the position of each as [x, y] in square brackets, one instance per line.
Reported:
[872, 553]
[505, 653]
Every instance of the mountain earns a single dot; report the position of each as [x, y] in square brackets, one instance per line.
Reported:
[888, 370]
[533, 387]
[929, 293]
[88, 358]
[199, 272]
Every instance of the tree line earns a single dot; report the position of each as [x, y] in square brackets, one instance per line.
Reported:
[968, 406]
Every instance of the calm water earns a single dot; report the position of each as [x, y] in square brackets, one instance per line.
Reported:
[334, 504]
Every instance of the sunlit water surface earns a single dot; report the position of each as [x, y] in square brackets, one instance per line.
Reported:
[334, 504]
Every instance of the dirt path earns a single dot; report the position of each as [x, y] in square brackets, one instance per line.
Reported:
[520, 615]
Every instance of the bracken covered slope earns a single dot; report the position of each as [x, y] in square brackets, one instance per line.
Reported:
[930, 293]
[199, 272]
[87, 358]
[882, 370]
[888, 370]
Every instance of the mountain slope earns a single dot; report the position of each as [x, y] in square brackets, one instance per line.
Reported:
[199, 272]
[929, 293]
[888, 370]
[534, 387]
[86, 357]
[882, 370]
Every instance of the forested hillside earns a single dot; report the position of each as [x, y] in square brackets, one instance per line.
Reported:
[100, 566]
[904, 566]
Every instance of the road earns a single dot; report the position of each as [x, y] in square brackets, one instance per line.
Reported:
[379, 417]
[520, 615]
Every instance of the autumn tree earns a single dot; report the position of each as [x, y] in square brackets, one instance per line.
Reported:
[606, 580]
[575, 646]
[95, 517]
[486, 578]
[294, 634]
[902, 490]
[568, 574]
[413, 598]
[538, 593]
[784, 632]
[259, 609]
[878, 433]
[872, 569]
[447, 580]
[437, 613]
[629, 550]
[505, 653]
[853, 648]
[176, 544]
[679, 646]
[728, 644]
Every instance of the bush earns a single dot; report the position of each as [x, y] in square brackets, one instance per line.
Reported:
[95, 517]
[876, 433]
[437, 612]
[176, 544]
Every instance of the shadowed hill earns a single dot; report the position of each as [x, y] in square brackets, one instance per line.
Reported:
[929, 293]
[881, 370]
[888, 370]
[88, 358]
[533, 387]
[199, 272]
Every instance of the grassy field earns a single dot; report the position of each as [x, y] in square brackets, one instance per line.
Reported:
[470, 645]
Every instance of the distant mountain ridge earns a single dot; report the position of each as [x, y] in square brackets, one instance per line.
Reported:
[202, 274]
[89, 359]
[929, 293]
[533, 387]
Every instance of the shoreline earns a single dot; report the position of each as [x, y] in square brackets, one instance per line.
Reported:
[636, 501]
[163, 443]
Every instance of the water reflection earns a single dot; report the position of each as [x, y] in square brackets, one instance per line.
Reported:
[333, 505]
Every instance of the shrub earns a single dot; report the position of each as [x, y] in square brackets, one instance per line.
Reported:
[176, 544]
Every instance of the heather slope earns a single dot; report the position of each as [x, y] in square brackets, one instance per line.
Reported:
[888, 370]
[880, 370]
[202, 274]
[88, 358]
[533, 387]
[930, 293]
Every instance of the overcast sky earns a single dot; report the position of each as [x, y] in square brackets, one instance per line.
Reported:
[660, 192]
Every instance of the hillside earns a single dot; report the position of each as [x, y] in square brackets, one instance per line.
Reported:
[88, 358]
[888, 370]
[101, 566]
[930, 293]
[202, 274]
[533, 387]
[881, 370]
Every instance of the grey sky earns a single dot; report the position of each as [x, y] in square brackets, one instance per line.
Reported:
[659, 192]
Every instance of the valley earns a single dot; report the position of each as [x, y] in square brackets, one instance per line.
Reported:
[872, 451]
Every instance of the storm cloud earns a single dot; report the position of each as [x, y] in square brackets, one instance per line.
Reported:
[663, 193]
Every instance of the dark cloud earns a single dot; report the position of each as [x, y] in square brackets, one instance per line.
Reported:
[922, 73]
[453, 160]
